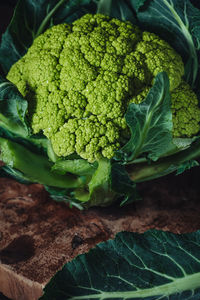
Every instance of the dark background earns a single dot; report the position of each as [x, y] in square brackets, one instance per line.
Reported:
[189, 178]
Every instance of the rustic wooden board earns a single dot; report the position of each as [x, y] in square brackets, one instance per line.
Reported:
[37, 235]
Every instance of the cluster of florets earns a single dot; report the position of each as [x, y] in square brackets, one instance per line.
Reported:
[79, 80]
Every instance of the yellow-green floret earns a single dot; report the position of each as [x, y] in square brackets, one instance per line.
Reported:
[79, 79]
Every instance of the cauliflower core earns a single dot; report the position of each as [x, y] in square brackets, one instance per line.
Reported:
[79, 80]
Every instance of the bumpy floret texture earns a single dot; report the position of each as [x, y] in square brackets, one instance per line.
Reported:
[80, 78]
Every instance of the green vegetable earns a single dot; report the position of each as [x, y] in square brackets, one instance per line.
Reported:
[80, 79]
[152, 266]
[104, 101]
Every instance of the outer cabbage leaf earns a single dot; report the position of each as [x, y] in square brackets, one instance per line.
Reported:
[98, 189]
[123, 185]
[35, 167]
[63, 195]
[152, 266]
[13, 109]
[150, 123]
[121, 9]
[180, 26]
[180, 161]
[13, 120]
[138, 4]
[8, 172]
[186, 166]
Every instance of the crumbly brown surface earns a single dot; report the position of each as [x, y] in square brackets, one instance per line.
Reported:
[38, 235]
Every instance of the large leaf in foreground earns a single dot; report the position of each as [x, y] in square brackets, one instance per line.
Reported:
[155, 265]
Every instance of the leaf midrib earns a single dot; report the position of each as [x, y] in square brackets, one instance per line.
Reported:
[147, 127]
[48, 16]
[186, 33]
[178, 285]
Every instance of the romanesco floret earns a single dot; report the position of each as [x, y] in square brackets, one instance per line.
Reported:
[80, 78]
[185, 111]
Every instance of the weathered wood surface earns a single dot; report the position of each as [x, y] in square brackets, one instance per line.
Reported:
[18, 287]
[37, 235]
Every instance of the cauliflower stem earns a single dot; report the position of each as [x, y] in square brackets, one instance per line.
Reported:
[142, 171]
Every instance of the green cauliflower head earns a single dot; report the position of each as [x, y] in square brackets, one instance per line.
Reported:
[79, 80]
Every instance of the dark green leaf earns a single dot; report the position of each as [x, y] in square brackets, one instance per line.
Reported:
[35, 143]
[122, 184]
[104, 7]
[13, 109]
[138, 4]
[186, 166]
[34, 167]
[142, 171]
[75, 166]
[150, 122]
[121, 10]
[152, 266]
[64, 195]
[99, 188]
[10, 172]
[183, 143]
[96, 189]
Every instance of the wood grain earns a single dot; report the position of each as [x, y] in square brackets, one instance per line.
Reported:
[18, 287]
